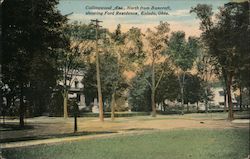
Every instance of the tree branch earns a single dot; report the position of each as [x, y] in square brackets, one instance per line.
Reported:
[148, 82]
[159, 80]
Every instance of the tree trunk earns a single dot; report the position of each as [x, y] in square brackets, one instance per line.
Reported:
[21, 109]
[240, 97]
[65, 103]
[225, 89]
[182, 92]
[225, 100]
[113, 107]
[153, 91]
[182, 100]
[206, 99]
[230, 104]
[197, 106]
[153, 104]
[187, 107]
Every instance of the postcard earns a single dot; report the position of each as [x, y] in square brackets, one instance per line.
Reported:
[138, 79]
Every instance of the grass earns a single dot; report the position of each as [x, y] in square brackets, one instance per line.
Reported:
[171, 144]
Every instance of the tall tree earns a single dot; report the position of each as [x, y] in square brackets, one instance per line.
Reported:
[113, 80]
[31, 29]
[157, 41]
[224, 37]
[73, 58]
[207, 68]
[182, 53]
[116, 47]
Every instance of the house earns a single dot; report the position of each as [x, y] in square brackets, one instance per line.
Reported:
[217, 101]
[219, 97]
[74, 82]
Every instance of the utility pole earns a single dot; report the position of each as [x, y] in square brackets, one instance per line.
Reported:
[99, 90]
[1, 83]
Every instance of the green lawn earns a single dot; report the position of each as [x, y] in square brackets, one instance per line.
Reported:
[172, 144]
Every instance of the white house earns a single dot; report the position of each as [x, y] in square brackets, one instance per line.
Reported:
[74, 81]
[219, 98]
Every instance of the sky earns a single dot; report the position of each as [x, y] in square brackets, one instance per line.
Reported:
[178, 16]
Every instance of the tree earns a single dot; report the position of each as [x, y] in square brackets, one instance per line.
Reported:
[157, 43]
[115, 47]
[224, 37]
[140, 91]
[129, 50]
[111, 75]
[71, 65]
[206, 67]
[182, 54]
[89, 82]
[112, 78]
[31, 30]
[194, 91]
[72, 59]
[134, 54]
[78, 55]
[113, 82]
[168, 88]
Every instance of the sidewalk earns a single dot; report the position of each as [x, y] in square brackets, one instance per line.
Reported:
[68, 139]
[241, 121]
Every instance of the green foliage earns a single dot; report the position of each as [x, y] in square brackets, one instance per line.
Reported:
[204, 13]
[158, 40]
[111, 75]
[89, 81]
[194, 91]
[224, 37]
[32, 35]
[168, 87]
[133, 48]
[79, 31]
[55, 106]
[139, 91]
[182, 52]
[111, 78]
[117, 36]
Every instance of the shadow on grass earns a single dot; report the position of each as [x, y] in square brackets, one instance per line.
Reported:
[139, 129]
[53, 136]
[14, 127]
